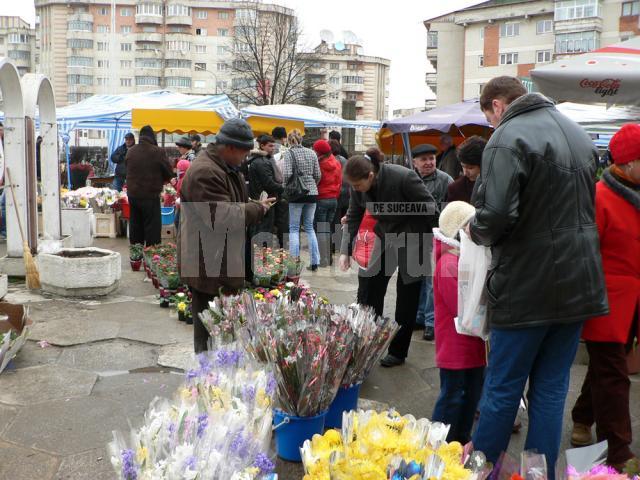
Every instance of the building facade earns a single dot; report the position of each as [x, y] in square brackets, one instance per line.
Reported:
[468, 47]
[353, 86]
[18, 42]
[93, 47]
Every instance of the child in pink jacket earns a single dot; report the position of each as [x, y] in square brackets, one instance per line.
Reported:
[460, 358]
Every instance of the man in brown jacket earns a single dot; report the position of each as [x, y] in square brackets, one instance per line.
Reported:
[214, 215]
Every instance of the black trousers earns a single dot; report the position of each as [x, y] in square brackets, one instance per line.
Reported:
[372, 290]
[145, 222]
[281, 220]
[262, 233]
[199, 303]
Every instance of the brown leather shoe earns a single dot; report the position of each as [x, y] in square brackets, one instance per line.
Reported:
[581, 435]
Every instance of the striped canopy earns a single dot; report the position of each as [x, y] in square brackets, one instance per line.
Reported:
[610, 75]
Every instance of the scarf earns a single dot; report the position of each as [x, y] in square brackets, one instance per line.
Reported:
[615, 178]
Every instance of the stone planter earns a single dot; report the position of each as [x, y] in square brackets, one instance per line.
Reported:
[79, 223]
[4, 285]
[80, 272]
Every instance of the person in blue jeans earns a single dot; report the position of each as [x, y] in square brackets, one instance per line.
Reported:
[535, 208]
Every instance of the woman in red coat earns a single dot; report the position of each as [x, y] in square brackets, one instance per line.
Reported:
[604, 399]
[328, 193]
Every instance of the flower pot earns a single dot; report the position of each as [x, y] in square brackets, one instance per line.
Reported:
[155, 282]
[292, 431]
[182, 317]
[188, 319]
[293, 279]
[163, 292]
[345, 401]
[135, 265]
[633, 361]
[164, 302]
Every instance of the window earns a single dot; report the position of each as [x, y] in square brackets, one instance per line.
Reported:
[78, 61]
[177, 63]
[222, 50]
[544, 26]
[243, 47]
[508, 58]
[176, 29]
[350, 66]
[21, 55]
[126, 64]
[175, 9]
[630, 8]
[334, 95]
[201, 31]
[223, 32]
[334, 66]
[221, 67]
[125, 12]
[352, 96]
[125, 82]
[579, 42]
[103, 11]
[201, 14]
[126, 29]
[102, 29]
[573, 9]
[103, 81]
[103, 63]
[481, 60]
[149, 29]
[78, 26]
[432, 40]
[147, 81]
[248, 14]
[179, 46]
[353, 79]
[334, 80]
[179, 82]
[77, 97]
[510, 29]
[103, 46]
[223, 15]
[125, 47]
[148, 63]
[222, 85]
[543, 56]
[79, 80]
[201, 49]
[79, 43]
[332, 111]
[150, 9]
[18, 38]
[199, 84]
[201, 66]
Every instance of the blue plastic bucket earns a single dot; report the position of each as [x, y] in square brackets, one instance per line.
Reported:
[168, 215]
[346, 400]
[291, 432]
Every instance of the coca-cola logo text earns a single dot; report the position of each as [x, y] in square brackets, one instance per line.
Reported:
[605, 88]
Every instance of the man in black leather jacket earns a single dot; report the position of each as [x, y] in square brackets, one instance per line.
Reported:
[535, 209]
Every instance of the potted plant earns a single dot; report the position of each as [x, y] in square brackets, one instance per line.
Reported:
[184, 311]
[135, 256]
[294, 269]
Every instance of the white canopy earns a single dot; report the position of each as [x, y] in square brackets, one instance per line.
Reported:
[312, 117]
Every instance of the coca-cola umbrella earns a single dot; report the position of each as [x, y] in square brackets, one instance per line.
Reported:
[609, 75]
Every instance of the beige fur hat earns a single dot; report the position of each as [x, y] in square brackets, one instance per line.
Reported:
[454, 217]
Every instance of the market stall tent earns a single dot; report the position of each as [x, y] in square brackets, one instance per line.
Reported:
[177, 121]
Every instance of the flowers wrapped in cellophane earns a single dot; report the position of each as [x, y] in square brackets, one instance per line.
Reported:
[100, 199]
[382, 446]
[217, 427]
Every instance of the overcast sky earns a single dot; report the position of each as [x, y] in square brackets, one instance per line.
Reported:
[392, 30]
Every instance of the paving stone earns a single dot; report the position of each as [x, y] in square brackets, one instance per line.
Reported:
[367, 404]
[65, 427]
[74, 330]
[112, 355]
[33, 385]
[160, 330]
[178, 355]
[25, 297]
[19, 463]
[91, 465]
[32, 355]
[384, 384]
[138, 388]
[7, 414]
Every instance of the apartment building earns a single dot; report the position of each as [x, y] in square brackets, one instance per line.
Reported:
[352, 85]
[93, 47]
[18, 42]
[468, 47]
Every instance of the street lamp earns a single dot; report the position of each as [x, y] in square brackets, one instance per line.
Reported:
[215, 78]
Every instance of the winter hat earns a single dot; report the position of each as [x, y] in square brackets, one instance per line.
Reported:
[423, 149]
[148, 133]
[236, 132]
[454, 217]
[625, 144]
[184, 142]
[183, 165]
[322, 147]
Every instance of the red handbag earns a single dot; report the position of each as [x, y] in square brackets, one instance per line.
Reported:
[365, 241]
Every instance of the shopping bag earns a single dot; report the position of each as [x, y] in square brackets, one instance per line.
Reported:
[472, 273]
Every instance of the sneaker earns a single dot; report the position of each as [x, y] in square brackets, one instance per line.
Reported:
[429, 334]
[581, 435]
[391, 361]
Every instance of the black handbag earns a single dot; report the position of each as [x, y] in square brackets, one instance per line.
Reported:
[295, 189]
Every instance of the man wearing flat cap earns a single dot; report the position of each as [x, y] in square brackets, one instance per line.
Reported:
[437, 182]
[215, 211]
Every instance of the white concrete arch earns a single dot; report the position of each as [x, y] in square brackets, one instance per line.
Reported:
[14, 153]
[38, 92]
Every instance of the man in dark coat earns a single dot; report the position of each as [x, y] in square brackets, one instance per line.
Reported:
[215, 211]
[118, 158]
[536, 210]
[470, 156]
[148, 169]
[335, 135]
[447, 160]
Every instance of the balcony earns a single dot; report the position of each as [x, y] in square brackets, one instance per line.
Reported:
[178, 37]
[179, 20]
[578, 25]
[74, 34]
[143, 18]
[177, 72]
[148, 53]
[149, 37]
[177, 54]
[148, 72]
[77, 70]
[359, 103]
[431, 79]
[80, 17]
[353, 87]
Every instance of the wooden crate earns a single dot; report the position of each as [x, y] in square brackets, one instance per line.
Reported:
[105, 225]
[169, 232]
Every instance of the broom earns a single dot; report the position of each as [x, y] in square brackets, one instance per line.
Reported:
[31, 271]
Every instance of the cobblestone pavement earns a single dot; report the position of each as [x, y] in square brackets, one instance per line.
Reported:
[109, 358]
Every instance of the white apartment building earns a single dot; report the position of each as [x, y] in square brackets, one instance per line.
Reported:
[93, 47]
[353, 86]
[18, 42]
[468, 47]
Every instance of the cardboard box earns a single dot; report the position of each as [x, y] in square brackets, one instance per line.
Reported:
[169, 232]
[18, 321]
[105, 225]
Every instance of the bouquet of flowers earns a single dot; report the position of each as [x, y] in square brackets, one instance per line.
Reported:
[269, 266]
[218, 426]
[599, 472]
[221, 318]
[100, 199]
[168, 196]
[382, 446]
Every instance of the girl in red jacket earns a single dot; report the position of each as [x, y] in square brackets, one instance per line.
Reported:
[460, 358]
[328, 193]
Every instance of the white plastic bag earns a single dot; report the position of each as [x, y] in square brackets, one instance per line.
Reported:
[472, 273]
